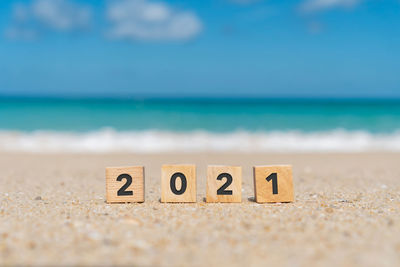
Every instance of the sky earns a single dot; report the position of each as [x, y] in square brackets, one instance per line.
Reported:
[208, 48]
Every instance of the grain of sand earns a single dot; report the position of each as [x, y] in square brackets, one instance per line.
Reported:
[53, 212]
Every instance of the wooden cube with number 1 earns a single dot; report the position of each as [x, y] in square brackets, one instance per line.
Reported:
[178, 183]
[125, 184]
[224, 184]
[273, 184]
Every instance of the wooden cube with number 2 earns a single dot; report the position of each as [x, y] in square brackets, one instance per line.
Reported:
[273, 184]
[224, 184]
[125, 184]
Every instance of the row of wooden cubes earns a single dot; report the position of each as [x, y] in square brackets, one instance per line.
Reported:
[178, 184]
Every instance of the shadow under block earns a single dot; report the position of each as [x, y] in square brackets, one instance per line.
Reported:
[178, 183]
[273, 184]
[224, 184]
[125, 184]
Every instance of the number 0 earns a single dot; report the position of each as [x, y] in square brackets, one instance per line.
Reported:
[274, 178]
[172, 183]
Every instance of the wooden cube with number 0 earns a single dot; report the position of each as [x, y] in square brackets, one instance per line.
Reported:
[125, 184]
[273, 184]
[178, 183]
[224, 184]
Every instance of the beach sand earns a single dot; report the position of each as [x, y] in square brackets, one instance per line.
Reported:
[346, 212]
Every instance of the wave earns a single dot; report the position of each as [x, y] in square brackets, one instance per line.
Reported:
[151, 141]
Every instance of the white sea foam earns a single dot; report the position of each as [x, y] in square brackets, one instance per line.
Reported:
[108, 140]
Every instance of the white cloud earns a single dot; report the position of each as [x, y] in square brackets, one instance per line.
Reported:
[21, 33]
[59, 15]
[312, 6]
[147, 20]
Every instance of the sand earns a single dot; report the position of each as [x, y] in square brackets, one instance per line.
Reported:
[53, 212]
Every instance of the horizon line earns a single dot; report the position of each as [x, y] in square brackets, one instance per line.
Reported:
[201, 98]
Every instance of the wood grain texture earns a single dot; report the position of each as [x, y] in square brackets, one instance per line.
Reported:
[263, 189]
[137, 185]
[167, 173]
[213, 184]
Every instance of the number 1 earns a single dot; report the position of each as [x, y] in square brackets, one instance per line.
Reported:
[274, 178]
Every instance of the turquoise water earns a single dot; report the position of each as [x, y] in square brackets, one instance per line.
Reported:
[218, 115]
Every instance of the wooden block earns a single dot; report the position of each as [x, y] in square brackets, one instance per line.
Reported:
[178, 183]
[125, 184]
[224, 184]
[273, 184]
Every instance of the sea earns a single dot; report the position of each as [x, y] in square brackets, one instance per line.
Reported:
[153, 125]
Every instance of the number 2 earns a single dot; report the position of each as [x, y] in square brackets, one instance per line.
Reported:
[222, 190]
[274, 178]
[122, 191]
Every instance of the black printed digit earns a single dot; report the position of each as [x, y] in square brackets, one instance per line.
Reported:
[172, 183]
[222, 190]
[122, 191]
[274, 178]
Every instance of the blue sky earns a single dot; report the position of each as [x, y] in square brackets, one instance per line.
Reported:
[303, 48]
